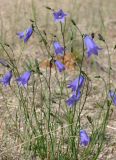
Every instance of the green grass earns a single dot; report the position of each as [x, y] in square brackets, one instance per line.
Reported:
[35, 121]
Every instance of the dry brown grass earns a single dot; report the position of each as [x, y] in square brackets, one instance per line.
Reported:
[92, 16]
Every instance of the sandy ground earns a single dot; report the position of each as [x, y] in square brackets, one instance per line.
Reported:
[91, 15]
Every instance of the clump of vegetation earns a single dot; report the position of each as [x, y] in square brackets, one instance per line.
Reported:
[49, 119]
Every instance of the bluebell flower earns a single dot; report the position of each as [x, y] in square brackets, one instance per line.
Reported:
[6, 79]
[25, 35]
[59, 16]
[112, 95]
[91, 46]
[84, 138]
[73, 99]
[23, 79]
[58, 48]
[77, 83]
[59, 65]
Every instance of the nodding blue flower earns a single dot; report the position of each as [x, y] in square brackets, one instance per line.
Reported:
[73, 99]
[25, 35]
[91, 46]
[77, 83]
[6, 79]
[84, 138]
[59, 16]
[58, 48]
[23, 79]
[112, 95]
[59, 65]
